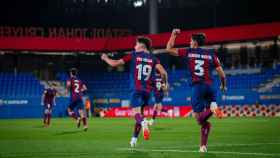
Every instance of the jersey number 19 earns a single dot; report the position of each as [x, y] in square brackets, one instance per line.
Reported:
[143, 71]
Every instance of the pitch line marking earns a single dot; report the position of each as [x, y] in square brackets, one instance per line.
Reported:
[221, 145]
[195, 151]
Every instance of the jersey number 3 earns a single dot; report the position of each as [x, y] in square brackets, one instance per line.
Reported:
[144, 70]
[199, 71]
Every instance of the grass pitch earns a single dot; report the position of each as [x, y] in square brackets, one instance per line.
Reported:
[174, 138]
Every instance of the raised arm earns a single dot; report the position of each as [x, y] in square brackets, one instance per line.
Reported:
[113, 63]
[171, 42]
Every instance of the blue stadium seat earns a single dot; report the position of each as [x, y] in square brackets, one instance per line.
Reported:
[22, 84]
[116, 84]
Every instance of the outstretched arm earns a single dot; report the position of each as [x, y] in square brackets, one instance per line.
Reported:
[113, 63]
[171, 42]
[222, 76]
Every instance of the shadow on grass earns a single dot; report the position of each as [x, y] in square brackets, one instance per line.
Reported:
[207, 155]
[160, 129]
[68, 132]
[38, 126]
[137, 154]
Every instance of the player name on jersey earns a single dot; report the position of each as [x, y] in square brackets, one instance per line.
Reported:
[191, 55]
[144, 60]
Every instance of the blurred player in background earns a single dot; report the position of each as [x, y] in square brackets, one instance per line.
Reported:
[88, 107]
[48, 101]
[76, 88]
[200, 63]
[160, 90]
[143, 65]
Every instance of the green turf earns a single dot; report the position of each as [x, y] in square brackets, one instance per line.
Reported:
[176, 138]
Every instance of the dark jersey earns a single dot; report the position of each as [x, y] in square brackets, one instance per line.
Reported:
[158, 82]
[142, 69]
[49, 96]
[201, 63]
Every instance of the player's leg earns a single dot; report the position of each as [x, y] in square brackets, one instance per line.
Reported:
[136, 103]
[71, 111]
[158, 106]
[205, 124]
[78, 118]
[201, 118]
[49, 115]
[201, 115]
[145, 123]
[83, 118]
[45, 115]
[204, 130]
[138, 125]
[198, 103]
[87, 112]
[82, 115]
[138, 117]
[156, 110]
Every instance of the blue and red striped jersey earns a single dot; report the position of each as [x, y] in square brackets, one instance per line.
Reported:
[142, 69]
[200, 63]
[76, 88]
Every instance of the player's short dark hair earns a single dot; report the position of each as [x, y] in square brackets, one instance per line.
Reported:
[199, 38]
[146, 41]
[73, 71]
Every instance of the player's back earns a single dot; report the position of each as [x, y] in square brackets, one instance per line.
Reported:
[158, 81]
[49, 95]
[76, 88]
[142, 69]
[201, 63]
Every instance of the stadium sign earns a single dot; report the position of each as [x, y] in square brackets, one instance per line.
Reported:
[13, 102]
[269, 97]
[63, 32]
[233, 97]
[82, 39]
[169, 111]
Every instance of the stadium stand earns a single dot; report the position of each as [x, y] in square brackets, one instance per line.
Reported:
[19, 85]
[20, 96]
[109, 89]
[103, 85]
